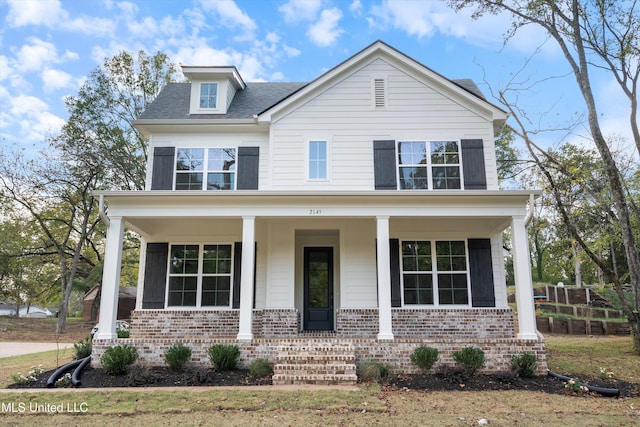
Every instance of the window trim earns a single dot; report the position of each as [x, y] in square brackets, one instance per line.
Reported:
[308, 160]
[434, 273]
[429, 165]
[205, 167]
[199, 275]
[200, 86]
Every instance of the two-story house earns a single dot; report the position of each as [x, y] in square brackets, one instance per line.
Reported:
[357, 213]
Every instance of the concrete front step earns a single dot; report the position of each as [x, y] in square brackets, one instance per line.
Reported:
[306, 363]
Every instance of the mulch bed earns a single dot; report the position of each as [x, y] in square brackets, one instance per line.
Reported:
[451, 381]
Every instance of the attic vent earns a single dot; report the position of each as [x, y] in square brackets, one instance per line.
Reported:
[379, 93]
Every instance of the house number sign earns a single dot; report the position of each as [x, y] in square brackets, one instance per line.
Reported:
[315, 211]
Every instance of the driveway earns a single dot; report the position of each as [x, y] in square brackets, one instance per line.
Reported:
[8, 349]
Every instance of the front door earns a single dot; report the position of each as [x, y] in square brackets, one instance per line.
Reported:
[318, 289]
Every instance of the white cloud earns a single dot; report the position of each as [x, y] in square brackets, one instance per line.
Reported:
[326, 31]
[35, 55]
[32, 117]
[50, 14]
[291, 51]
[148, 27]
[232, 17]
[56, 79]
[356, 8]
[41, 12]
[300, 10]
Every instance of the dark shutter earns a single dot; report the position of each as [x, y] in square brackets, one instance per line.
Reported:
[481, 272]
[247, 168]
[163, 162]
[155, 275]
[394, 261]
[237, 272]
[475, 177]
[384, 165]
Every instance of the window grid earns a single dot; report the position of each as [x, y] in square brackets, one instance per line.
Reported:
[434, 272]
[200, 276]
[216, 164]
[208, 95]
[429, 165]
[318, 160]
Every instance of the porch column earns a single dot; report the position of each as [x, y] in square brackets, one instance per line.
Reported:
[111, 280]
[245, 332]
[524, 285]
[384, 279]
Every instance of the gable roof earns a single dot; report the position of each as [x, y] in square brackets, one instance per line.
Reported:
[261, 99]
[173, 101]
[464, 88]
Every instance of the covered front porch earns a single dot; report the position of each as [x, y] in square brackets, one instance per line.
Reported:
[318, 265]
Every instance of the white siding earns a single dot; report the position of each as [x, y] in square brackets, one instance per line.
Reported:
[344, 115]
[359, 265]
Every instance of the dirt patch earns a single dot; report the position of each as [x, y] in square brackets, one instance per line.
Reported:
[164, 377]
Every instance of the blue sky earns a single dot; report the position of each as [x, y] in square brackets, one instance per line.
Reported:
[48, 47]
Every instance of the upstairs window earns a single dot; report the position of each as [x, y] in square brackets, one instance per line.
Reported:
[318, 160]
[429, 165]
[209, 95]
[205, 169]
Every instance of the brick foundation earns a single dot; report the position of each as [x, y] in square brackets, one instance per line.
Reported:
[429, 323]
[448, 330]
[396, 353]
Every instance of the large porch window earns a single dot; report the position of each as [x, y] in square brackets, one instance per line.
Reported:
[434, 272]
[200, 276]
[433, 165]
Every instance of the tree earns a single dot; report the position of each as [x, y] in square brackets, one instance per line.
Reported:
[591, 33]
[101, 115]
[97, 148]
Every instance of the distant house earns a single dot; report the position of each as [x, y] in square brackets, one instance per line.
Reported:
[355, 217]
[126, 302]
[9, 309]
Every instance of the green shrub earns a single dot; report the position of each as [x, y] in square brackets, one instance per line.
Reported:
[260, 368]
[122, 333]
[82, 349]
[524, 365]
[424, 357]
[177, 356]
[224, 357]
[471, 358]
[373, 371]
[115, 360]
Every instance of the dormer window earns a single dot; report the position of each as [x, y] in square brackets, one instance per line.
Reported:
[208, 95]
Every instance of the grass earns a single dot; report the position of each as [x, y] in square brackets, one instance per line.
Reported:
[582, 355]
[42, 330]
[369, 405]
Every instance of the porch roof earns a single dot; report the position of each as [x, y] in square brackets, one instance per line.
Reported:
[145, 207]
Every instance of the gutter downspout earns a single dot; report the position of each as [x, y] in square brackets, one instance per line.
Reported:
[101, 212]
[527, 219]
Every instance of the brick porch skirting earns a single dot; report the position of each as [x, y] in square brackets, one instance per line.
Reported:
[395, 354]
[492, 330]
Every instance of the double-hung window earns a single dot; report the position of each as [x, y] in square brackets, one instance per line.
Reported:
[205, 169]
[429, 165]
[434, 272]
[200, 275]
[209, 95]
[318, 160]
